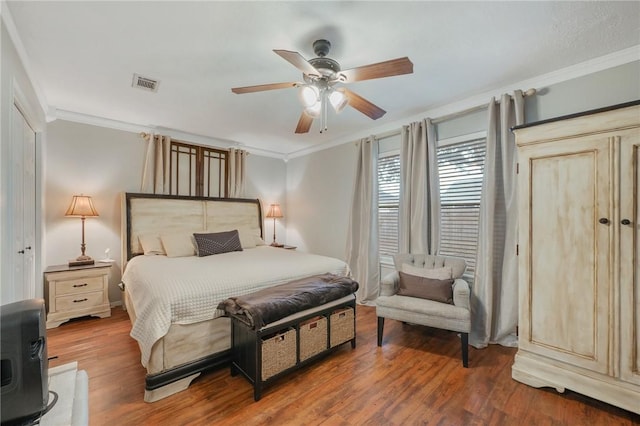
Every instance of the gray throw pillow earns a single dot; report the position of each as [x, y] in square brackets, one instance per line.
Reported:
[217, 242]
[426, 288]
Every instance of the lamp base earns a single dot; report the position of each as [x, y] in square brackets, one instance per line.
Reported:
[82, 261]
[274, 244]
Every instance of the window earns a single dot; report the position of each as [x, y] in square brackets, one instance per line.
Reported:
[388, 200]
[198, 170]
[460, 167]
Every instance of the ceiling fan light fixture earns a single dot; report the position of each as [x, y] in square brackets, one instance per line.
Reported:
[314, 110]
[319, 76]
[338, 100]
[309, 95]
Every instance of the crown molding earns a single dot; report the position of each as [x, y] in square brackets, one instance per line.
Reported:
[6, 17]
[93, 120]
[591, 66]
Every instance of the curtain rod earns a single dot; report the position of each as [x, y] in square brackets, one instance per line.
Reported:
[529, 92]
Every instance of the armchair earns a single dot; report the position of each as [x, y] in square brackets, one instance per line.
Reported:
[415, 310]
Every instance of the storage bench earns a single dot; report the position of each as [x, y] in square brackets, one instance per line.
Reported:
[265, 354]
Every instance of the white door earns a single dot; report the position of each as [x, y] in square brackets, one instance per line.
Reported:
[23, 227]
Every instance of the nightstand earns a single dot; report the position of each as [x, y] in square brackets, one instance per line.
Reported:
[77, 291]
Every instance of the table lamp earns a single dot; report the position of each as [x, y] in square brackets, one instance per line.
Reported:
[275, 213]
[82, 207]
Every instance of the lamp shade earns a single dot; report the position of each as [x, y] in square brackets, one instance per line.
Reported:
[81, 206]
[274, 211]
[309, 95]
[338, 100]
[313, 111]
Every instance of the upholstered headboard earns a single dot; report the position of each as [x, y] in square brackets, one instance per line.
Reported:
[152, 213]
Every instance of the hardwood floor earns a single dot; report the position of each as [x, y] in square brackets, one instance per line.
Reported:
[415, 378]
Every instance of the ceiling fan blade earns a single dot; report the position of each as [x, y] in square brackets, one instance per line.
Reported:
[263, 87]
[304, 124]
[381, 69]
[298, 61]
[364, 106]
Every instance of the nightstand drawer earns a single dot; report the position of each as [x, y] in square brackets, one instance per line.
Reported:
[79, 301]
[79, 285]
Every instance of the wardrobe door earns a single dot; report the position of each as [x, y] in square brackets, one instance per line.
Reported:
[629, 218]
[566, 235]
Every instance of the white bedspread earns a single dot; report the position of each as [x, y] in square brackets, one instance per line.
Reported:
[186, 290]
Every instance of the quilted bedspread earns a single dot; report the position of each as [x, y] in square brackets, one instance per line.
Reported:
[184, 290]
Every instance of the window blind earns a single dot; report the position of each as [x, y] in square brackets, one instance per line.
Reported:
[388, 201]
[460, 168]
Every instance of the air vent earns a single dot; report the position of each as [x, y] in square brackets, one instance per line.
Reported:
[145, 83]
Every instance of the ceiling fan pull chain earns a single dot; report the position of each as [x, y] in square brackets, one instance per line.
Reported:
[323, 117]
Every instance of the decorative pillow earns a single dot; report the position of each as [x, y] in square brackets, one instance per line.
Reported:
[426, 288]
[248, 238]
[151, 244]
[178, 244]
[433, 273]
[217, 242]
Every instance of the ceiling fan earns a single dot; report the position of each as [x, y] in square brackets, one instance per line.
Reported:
[321, 75]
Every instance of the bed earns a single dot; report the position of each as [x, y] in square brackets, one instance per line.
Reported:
[172, 295]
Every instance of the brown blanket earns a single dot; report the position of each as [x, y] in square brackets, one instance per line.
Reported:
[274, 303]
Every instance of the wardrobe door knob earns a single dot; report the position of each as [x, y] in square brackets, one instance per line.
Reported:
[625, 222]
[603, 220]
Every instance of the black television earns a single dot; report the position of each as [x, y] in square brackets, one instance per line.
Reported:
[23, 362]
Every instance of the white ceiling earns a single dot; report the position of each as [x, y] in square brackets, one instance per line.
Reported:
[83, 56]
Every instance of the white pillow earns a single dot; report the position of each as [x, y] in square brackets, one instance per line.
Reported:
[247, 238]
[178, 244]
[443, 273]
[151, 244]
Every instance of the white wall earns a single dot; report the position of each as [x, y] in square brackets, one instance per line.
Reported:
[319, 192]
[266, 180]
[94, 161]
[104, 163]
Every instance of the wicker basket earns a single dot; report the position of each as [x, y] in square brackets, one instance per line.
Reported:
[313, 337]
[278, 353]
[342, 326]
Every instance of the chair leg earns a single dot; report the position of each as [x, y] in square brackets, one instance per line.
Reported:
[465, 349]
[380, 328]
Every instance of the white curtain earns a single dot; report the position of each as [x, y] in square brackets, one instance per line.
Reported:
[419, 209]
[495, 290]
[236, 161]
[155, 171]
[362, 235]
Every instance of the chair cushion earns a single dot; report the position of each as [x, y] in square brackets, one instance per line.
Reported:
[426, 288]
[427, 261]
[424, 312]
[434, 273]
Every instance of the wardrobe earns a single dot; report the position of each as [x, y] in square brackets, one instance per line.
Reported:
[578, 239]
